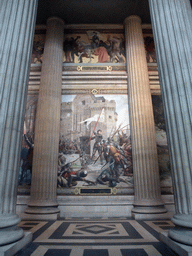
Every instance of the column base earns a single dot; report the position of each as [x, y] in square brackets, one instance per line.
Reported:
[43, 204]
[150, 212]
[181, 235]
[10, 235]
[41, 213]
[12, 249]
[180, 249]
[42, 210]
[184, 220]
[9, 220]
[153, 209]
[148, 216]
[27, 216]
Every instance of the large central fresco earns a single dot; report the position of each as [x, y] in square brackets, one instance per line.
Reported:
[95, 146]
[95, 151]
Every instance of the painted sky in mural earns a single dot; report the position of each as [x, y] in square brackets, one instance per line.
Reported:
[121, 106]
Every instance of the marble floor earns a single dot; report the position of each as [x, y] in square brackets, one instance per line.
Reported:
[96, 237]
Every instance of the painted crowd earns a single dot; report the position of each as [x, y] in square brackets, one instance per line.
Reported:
[111, 157]
[93, 47]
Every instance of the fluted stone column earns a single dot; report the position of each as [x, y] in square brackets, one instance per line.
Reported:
[147, 201]
[43, 198]
[17, 23]
[171, 22]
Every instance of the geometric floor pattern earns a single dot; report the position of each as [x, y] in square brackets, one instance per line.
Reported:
[96, 237]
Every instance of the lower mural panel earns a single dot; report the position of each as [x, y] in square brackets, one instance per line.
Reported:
[95, 143]
[95, 152]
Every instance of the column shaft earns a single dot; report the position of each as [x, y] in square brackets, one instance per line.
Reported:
[47, 127]
[17, 22]
[171, 21]
[144, 150]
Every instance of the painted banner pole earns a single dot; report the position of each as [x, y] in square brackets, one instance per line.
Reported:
[95, 127]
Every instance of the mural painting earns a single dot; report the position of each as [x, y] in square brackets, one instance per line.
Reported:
[95, 146]
[162, 145]
[28, 141]
[95, 143]
[95, 140]
[150, 49]
[94, 47]
[38, 48]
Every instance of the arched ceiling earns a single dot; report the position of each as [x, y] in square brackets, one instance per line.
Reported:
[92, 11]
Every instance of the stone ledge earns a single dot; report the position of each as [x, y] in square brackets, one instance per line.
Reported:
[26, 216]
[12, 249]
[154, 216]
[180, 249]
[95, 206]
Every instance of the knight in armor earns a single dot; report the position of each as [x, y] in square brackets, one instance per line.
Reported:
[97, 145]
[105, 177]
[26, 157]
[112, 152]
[69, 177]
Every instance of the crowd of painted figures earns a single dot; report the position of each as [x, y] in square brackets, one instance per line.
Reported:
[113, 155]
[107, 47]
[26, 159]
[110, 50]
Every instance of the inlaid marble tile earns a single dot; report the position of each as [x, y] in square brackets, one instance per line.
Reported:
[96, 237]
[125, 250]
[128, 231]
[32, 226]
[160, 226]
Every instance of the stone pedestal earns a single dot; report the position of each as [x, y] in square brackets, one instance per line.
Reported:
[17, 19]
[148, 202]
[171, 22]
[180, 249]
[43, 199]
[13, 248]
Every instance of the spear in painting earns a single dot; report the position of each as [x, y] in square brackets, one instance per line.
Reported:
[95, 126]
[111, 136]
[113, 128]
[119, 129]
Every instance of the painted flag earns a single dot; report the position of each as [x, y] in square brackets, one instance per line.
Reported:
[94, 118]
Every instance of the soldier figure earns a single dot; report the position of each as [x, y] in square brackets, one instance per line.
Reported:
[97, 145]
[111, 152]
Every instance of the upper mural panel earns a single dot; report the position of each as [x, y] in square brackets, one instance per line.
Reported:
[38, 48]
[92, 46]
